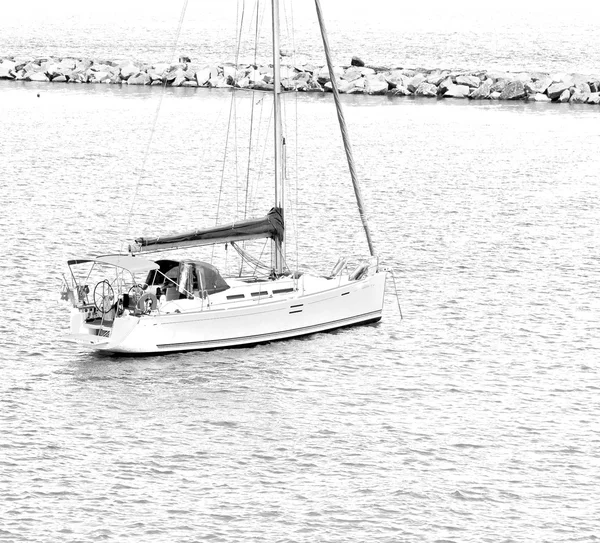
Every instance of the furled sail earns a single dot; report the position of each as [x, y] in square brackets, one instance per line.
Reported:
[270, 226]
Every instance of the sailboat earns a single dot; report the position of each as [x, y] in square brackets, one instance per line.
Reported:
[144, 305]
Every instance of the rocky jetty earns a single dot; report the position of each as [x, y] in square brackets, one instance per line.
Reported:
[353, 79]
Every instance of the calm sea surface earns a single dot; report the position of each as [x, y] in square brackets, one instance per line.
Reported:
[475, 418]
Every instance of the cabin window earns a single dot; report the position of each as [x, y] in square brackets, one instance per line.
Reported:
[283, 290]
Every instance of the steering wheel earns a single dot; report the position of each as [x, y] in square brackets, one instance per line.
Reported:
[104, 296]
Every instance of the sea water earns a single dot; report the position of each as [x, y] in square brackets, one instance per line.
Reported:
[473, 418]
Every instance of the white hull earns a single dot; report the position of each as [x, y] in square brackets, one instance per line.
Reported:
[320, 305]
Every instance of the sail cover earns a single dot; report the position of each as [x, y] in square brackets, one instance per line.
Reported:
[270, 226]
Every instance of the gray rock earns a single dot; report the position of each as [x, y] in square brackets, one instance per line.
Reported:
[98, 77]
[351, 74]
[174, 73]
[376, 85]
[32, 67]
[287, 72]
[53, 69]
[221, 83]
[583, 86]
[158, 71]
[445, 85]
[357, 89]
[78, 77]
[203, 76]
[579, 81]
[7, 69]
[141, 78]
[36, 76]
[415, 82]
[357, 62]
[128, 70]
[565, 96]
[555, 90]
[515, 90]
[396, 78]
[181, 79]
[101, 67]
[230, 72]
[302, 77]
[499, 85]
[368, 71]
[494, 95]
[322, 76]
[496, 75]
[538, 97]
[244, 83]
[81, 65]
[539, 85]
[409, 73]
[260, 85]
[401, 91]
[349, 87]
[155, 75]
[437, 76]
[594, 98]
[67, 65]
[468, 80]
[254, 75]
[426, 89]
[579, 97]
[482, 92]
[567, 79]
[457, 91]
[329, 85]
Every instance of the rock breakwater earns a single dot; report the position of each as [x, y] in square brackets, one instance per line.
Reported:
[353, 79]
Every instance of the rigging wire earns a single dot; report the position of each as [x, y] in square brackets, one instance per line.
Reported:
[249, 258]
[344, 130]
[397, 295]
[251, 117]
[295, 208]
[234, 96]
[232, 110]
[154, 122]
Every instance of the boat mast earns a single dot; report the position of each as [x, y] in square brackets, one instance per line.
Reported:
[278, 243]
[344, 131]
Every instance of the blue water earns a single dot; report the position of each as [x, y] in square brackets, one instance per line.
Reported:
[472, 419]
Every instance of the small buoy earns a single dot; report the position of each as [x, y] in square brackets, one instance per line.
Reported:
[38, 94]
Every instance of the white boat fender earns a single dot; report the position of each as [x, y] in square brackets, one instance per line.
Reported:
[338, 267]
[358, 272]
[147, 302]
